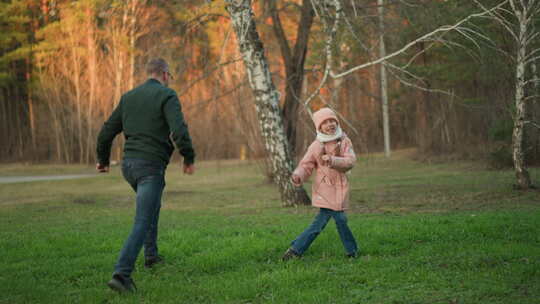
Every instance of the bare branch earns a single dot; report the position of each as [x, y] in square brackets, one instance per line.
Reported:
[218, 65]
[533, 81]
[413, 58]
[533, 59]
[500, 19]
[442, 29]
[328, 50]
[205, 102]
[532, 38]
[533, 97]
[354, 8]
[455, 98]
[412, 84]
[528, 122]
[208, 73]
[353, 32]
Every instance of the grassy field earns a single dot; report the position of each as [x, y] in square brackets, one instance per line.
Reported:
[437, 233]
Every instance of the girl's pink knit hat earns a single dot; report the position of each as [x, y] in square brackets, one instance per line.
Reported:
[323, 114]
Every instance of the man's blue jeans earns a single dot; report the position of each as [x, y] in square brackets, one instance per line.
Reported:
[304, 240]
[147, 178]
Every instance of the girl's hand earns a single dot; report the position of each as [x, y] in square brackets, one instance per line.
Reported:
[296, 180]
[326, 159]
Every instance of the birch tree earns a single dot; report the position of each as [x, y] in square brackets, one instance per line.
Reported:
[518, 19]
[266, 100]
[524, 11]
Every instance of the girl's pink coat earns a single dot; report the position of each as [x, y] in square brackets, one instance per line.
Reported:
[330, 188]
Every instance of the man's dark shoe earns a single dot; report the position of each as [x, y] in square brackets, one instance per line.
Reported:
[151, 261]
[122, 284]
[290, 254]
[352, 255]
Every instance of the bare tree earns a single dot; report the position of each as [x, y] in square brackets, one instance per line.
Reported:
[435, 36]
[335, 14]
[266, 100]
[518, 19]
[525, 12]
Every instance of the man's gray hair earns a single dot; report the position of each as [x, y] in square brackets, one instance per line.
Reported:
[156, 66]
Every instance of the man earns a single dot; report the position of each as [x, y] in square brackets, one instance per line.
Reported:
[148, 115]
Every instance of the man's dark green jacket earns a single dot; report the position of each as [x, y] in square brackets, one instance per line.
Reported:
[147, 115]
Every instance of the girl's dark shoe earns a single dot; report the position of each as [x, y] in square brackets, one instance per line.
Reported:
[290, 254]
[122, 284]
[150, 262]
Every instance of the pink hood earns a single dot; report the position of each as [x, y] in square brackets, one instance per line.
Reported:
[323, 114]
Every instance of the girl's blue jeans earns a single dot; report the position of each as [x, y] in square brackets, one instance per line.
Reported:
[304, 240]
[147, 178]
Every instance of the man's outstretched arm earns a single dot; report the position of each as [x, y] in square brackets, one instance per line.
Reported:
[108, 132]
[179, 131]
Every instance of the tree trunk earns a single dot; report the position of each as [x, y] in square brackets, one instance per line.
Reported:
[266, 100]
[34, 25]
[384, 82]
[522, 175]
[133, 18]
[20, 125]
[92, 76]
[45, 11]
[423, 131]
[49, 101]
[294, 66]
[120, 55]
[30, 101]
[76, 78]
[534, 114]
[4, 124]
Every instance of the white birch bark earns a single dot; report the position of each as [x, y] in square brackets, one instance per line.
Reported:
[266, 100]
[519, 22]
[522, 175]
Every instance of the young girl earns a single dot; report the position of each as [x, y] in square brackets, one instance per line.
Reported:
[331, 155]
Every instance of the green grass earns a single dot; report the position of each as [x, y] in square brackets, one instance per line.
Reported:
[440, 233]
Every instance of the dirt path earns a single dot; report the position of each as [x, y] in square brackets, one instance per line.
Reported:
[21, 179]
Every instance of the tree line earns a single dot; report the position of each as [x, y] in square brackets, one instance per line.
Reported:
[64, 65]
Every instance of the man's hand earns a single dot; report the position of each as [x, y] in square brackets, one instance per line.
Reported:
[189, 169]
[296, 180]
[101, 168]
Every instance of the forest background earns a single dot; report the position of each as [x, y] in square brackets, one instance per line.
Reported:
[65, 64]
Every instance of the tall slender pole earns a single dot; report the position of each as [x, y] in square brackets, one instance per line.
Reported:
[384, 82]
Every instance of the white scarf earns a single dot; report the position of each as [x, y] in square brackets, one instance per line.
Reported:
[329, 137]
